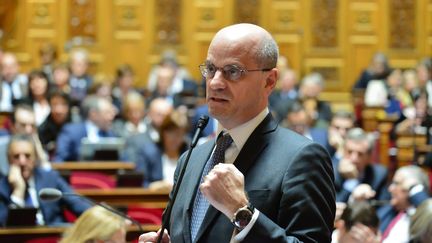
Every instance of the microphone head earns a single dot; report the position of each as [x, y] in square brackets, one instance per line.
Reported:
[50, 194]
[202, 122]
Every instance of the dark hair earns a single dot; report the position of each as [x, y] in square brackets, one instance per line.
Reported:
[123, 70]
[59, 93]
[172, 121]
[37, 73]
[360, 212]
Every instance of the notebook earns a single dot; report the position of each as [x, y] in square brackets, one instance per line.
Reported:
[21, 217]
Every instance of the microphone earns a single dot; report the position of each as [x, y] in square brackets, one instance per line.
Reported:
[52, 194]
[202, 123]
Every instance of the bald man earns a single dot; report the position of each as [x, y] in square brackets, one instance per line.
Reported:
[13, 84]
[255, 181]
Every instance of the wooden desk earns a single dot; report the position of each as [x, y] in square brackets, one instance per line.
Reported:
[23, 234]
[100, 166]
[128, 196]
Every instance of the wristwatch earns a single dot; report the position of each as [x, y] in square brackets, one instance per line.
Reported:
[243, 216]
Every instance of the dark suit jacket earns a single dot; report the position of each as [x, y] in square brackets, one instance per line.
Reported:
[375, 175]
[52, 211]
[288, 178]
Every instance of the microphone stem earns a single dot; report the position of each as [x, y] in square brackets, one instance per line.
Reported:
[107, 208]
[167, 213]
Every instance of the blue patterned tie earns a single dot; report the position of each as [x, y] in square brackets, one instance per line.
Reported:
[201, 204]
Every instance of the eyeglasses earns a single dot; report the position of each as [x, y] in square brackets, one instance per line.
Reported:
[229, 72]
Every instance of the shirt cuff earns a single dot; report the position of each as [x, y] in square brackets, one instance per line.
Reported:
[17, 201]
[242, 234]
[350, 184]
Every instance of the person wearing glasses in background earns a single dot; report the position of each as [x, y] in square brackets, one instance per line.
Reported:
[268, 182]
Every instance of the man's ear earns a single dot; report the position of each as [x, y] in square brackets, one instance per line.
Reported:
[272, 78]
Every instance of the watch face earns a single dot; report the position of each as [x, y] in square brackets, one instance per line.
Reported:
[243, 217]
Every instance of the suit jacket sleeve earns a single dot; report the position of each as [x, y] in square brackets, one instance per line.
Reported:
[66, 145]
[307, 203]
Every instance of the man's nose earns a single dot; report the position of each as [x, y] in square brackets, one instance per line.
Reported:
[218, 81]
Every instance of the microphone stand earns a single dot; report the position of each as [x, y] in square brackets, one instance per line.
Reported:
[114, 211]
[202, 123]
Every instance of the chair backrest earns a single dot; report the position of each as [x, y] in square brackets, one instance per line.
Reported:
[145, 215]
[87, 180]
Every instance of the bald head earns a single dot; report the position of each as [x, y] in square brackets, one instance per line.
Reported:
[249, 39]
[9, 67]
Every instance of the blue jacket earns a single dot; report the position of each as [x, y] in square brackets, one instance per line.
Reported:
[52, 211]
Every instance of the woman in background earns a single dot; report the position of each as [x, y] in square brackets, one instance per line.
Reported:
[97, 225]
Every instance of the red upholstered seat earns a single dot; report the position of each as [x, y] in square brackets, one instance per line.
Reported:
[88, 180]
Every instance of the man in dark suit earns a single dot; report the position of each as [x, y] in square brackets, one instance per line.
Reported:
[99, 114]
[273, 181]
[26, 178]
[356, 175]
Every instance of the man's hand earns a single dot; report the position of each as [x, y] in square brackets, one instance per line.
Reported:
[362, 192]
[347, 169]
[362, 233]
[224, 189]
[152, 237]
[16, 181]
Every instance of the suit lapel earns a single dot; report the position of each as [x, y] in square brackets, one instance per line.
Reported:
[191, 179]
[253, 147]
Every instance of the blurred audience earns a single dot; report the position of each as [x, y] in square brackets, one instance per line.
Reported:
[158, 161]
[59, 116]
[132, 119]
[25, 178]
[96, 225]
[23, 122]
[38, 87]
[409, 188]
[48, 57]
[61, 76]
[13, 83]
[340, 124]
[298, 120]
[124, 85]
[356, 176]
[358, 223]
[98, 114]
[80, 80]
[282, 98]
[320, 111]
[378, 69]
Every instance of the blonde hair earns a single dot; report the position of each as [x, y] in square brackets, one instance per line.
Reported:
[96, 223]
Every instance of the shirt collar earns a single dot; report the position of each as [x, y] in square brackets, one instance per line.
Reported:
[241, 133]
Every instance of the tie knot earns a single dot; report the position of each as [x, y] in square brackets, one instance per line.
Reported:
[223, 142]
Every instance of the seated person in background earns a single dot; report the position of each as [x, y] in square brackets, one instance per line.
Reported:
[20, 188]
[298, 120]
[61, 76]
[320, 111]
[13, 84]
[358, 223]
[99, 114]
[80, 80]
[378, 69]
[133, 113]
[356, 175]
[409, 188]
[280, 99]
[48, 56]
[23, 122]
[421, 223]
[123, 85]
[59, 116]
[38, 87]
[158, 161]
[95, 225]
[341, 122]
[413, 122]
